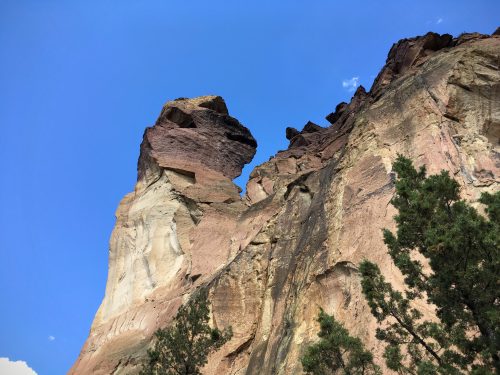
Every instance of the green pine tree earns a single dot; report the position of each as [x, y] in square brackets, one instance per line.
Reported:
[337, 352]
[182, 348]
[462, 249]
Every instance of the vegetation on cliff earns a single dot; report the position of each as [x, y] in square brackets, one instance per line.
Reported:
[337, 351]
[183, 347]
[449, 254]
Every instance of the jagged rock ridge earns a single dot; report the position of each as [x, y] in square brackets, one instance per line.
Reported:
[310, 214]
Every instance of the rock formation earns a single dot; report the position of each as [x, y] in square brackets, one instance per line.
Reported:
[310, 214]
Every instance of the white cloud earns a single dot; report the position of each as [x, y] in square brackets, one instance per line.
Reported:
[350, 84]
[8, 367]
[439, 21]
[51, 338]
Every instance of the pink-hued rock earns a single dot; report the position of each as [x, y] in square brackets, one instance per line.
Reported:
[197, 134]
[310, 214]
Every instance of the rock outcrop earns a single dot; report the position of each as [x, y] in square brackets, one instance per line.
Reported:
[309, 216]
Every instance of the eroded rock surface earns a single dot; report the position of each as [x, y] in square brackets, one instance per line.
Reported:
[309, 216]
[188, 137]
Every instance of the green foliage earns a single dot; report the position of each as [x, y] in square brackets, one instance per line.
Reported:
[462, 249]
[182, 348]
[337, 352]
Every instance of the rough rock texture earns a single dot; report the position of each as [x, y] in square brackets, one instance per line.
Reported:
[310, 213]
[188, 137]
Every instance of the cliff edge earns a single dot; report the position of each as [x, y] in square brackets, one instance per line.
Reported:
[310, 214]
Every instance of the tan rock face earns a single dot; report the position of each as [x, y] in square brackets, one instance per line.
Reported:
[309, 216]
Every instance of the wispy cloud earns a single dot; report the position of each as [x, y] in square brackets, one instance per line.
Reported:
[439, 20]
[51, 338]
[350, 84]
[15, 367]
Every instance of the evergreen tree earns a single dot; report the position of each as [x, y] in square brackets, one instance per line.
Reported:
[182, 348]
[337, 352]
[461, 248]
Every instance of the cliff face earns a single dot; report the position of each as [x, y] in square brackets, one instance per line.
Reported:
[309, 216]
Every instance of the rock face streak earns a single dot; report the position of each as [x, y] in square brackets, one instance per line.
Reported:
[310, 214]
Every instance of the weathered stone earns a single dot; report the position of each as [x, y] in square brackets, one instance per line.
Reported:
[334, 116]
[407, 54]
[291, 132]
[467, 37]
[309, 216]
[173, 232]
[193, 135]
[311, 127]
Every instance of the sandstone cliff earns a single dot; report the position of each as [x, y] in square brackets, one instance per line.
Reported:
[309, 215]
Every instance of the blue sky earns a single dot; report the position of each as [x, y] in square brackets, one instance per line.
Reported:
[82, 79]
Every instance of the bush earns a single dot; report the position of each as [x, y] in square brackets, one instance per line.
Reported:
[182, 348]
